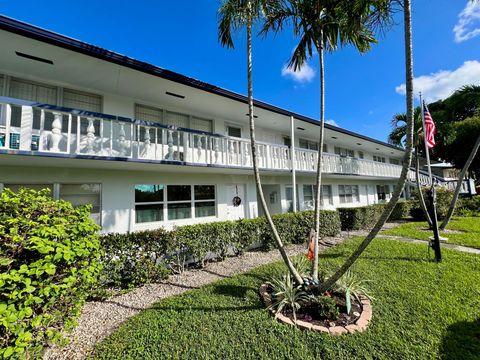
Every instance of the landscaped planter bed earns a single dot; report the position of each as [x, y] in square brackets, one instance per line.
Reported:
[357, 320]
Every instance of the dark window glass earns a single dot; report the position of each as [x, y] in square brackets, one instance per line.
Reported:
[149, 193]
[179, 211]
[179, 192]
[203, 209]
[148, 213]
[204, 192]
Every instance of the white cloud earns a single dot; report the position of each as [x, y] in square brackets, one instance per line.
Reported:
[305, 74]
[332, 122]
[468, 25]
[443, 83]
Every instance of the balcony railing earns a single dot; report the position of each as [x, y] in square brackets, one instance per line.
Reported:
[40, 128]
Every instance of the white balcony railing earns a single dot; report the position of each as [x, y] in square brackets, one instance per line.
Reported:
[39, 129]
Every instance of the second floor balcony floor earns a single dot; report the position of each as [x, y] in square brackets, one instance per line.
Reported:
[47, 130]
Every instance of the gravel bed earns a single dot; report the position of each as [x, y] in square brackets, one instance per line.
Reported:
[100, 319]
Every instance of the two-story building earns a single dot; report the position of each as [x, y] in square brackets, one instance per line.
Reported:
[148, 147]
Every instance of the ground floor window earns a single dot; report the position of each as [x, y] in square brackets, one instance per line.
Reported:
[310, 192]
[382, 191]
[77, 194]
[157, 202]
[348, 194]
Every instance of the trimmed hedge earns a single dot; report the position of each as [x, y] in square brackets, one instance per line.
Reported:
[49, 255]
[444, 198]
[468, 206]
[140, 257]
[364, 217]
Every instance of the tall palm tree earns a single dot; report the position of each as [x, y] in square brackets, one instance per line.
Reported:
[234, 15]
[323, 25]
[398, 137]
[407, 11]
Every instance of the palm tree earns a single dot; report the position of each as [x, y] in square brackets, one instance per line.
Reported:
[407, 11]
[453, 203]
[234, 15]
[398, 137]
[323, 25]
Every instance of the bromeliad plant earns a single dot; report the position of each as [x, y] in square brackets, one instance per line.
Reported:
[287, 295]
[353, 287]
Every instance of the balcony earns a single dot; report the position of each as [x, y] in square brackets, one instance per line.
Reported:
[41, 129]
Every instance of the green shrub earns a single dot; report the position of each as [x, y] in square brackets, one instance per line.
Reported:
[468, 206]
[134, 258]
[401, 210]
[444, 198]
[417, 213]
[48, 264]
[325, 307]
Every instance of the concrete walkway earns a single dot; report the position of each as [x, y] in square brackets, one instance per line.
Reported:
[461, 248]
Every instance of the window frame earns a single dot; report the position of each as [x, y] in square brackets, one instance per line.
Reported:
[343, 194]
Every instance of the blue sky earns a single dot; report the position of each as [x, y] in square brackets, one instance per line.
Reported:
[362, 91]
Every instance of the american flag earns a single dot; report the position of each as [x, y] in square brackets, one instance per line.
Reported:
[430, 128]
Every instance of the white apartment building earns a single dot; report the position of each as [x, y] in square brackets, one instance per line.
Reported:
[148, 147]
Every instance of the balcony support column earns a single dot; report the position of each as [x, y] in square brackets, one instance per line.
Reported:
[292, 158]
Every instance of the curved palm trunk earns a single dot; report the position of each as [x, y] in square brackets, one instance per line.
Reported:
[453, 204]
[419, 189]
[406, 159]
[258, 183]
[319, 162]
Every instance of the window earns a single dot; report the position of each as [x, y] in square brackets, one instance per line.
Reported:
[309, 195]
[77, 194]
[179, 202]
[149, 200]
[287, 141]
[27, 90]
[234, 131]
[82, 100]
[382, 191]
[148, 113]
[348, 194]
[380, 159]
[307, 144]
[82, 194]
[344, 152]
[361, 155]
[394, 161]
[2, 81]
[176, 119]
[204, 200]
[200, 124]
[155, 203]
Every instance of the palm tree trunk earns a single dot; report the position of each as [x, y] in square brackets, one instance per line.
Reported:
[256, 172]
[319, 162]
[407, 159]
[419, 188]
[453, 204]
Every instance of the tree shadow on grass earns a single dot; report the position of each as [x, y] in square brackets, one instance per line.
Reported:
[237, 291]
[462, 341]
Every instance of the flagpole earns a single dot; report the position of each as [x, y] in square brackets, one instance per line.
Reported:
[427, 151]
[432, 194]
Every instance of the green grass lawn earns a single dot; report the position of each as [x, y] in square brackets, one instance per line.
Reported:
[421, 310]
[469, 228]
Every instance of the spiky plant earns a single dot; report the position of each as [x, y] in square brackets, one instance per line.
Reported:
[287, 295]
[352, 286]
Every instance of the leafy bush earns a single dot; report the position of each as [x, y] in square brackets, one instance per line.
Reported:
[468, 206]
[401, 210]
[416, 212]
[444, 198]
[325, 307]
[48, 264]
[365, 217]
[286, 295]
[134, 258]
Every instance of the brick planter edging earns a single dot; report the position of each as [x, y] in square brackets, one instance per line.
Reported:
[360, 325]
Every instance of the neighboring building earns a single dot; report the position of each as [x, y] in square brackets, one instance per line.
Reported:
[186, 155]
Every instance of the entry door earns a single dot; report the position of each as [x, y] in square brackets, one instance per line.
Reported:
[236, 209]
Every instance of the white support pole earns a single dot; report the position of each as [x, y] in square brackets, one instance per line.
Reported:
[292, 157]
[427, 151]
